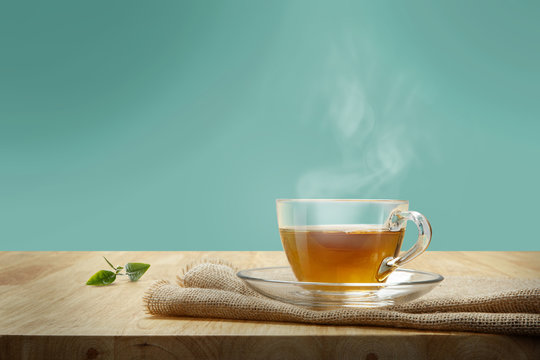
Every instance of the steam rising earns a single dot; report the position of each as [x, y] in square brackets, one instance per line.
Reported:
[371, 118]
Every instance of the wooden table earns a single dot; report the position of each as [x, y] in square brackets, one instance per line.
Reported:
[47, 312]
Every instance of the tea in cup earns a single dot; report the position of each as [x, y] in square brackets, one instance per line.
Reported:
[347, 240]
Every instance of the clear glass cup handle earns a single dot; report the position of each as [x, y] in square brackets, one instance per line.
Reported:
[395, 222]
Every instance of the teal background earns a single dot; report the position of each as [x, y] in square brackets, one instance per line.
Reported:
[174, 125]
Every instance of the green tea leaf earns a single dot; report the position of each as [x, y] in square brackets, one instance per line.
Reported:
[118, 269]
[108, 262]
[102, 277]
[136, 270]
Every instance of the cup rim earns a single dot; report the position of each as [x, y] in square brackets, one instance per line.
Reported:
[345, 200]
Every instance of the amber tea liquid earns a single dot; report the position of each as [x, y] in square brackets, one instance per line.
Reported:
[339, 253]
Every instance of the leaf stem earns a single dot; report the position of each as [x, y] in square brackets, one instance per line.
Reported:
[108, 262]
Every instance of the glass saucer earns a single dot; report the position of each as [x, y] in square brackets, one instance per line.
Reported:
[279, 283]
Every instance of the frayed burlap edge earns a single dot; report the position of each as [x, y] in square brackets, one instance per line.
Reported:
[216, 261]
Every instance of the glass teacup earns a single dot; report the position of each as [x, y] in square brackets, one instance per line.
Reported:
[348, 240]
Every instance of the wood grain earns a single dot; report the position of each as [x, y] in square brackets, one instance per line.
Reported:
[47, 312]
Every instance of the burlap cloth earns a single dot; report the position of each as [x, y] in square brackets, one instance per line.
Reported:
[212, 290]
